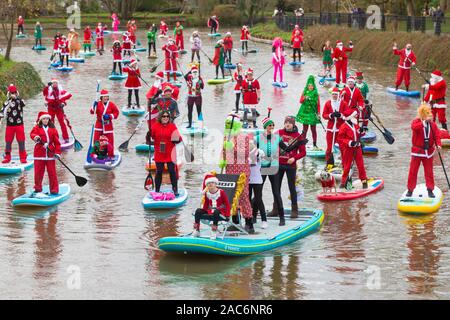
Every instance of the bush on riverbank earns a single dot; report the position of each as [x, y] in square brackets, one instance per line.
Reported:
[22, 75]
[370, 46]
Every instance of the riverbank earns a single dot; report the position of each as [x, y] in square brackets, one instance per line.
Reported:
[370, 46]
[22, 75]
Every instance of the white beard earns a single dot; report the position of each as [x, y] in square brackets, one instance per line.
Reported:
[157, 83]
[340, 47]
[354, 120]
[335, 104]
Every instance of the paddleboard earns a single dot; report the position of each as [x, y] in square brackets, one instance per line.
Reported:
[178, 73]
[106, 165]
[368, 150]
[140, 49]
[118, 77]
[419, 202]
[296, 63]
[67, 145]
[279, 84]
[369, 137]
[21, 36]
[44, 198]
[76, 60]
[374, 185]
[252, 130]
[401, 92]
[195, 129]
[55, 64]
[126, 61]
[144, 148]
[64, 69]
[179, 201]
[152, 56]
[87, 54]
[248, 51]
[219, 80]
[162, 36]
[15, 166]
[176, 83]
[229, 66]
[239, 244]
[326, 78]
[336, 172]
[130, 112]
[183, 51]
[214, 34]
[39, 48]
[320, 153]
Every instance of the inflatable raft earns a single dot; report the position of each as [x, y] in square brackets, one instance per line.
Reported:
[15, 166]
[149, 203]
[404, 93]
[419, 202]
[44, 198]
[240, 244]
[374, 185]
[133, 112]
[104, 165]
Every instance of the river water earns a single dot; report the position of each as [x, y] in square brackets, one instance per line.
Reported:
[103, 237]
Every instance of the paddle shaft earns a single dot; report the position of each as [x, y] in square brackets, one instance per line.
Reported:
[389, 139]
[153, 69]
[88, 157]
[440, 156]
[271, 66]
[139, 76]
[210, 60]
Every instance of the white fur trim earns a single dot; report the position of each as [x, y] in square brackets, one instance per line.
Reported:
[439, 106]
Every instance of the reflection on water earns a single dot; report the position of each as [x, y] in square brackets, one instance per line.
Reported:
[104, 230]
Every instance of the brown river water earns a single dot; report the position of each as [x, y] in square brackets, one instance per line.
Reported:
[106, 241]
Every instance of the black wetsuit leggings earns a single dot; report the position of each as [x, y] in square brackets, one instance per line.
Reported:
[38, 41]
[222, 69]
[297, 51]
[228, 52]
[257, 201]
[115, 64]
[20, 29]
[245, 43]
[62, 57]
[136, 95]
[198, 104]
[150, 45]
[275, 184]
[172, 172]
[213, 29]
[193, 54]
[238, 99]
[201, 214]
[291, 173]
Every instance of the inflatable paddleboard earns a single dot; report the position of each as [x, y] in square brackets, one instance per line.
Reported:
[183, 51]
[214, 34]
[118, 77]
[39, 48]
[21, 36]
[87, 54]
[176, 83]
[374, 185]
[15, 166]
[140, 49]
[248, 51]
[369, 137]
[64, 69]
[194, 130]
[239, 244]
[336, 172]
[76, 60]
[126, 61]
[179, 201]
[326, 78]
[296, 63]
[144, 148]
[44, 198]
[55, 64]
[368, 150]
[67, 145]
[280, 84]
[152, 57]
[219, 80]
[419, 202]
[163, 36]
[320, 153]
[130, 112]
[177, 73]
[104, 165]
[229, 66]
[401, 92]
[252, 130]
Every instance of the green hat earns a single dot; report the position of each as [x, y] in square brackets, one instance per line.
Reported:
[266, 122]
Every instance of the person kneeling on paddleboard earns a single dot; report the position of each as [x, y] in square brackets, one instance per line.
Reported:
[12, 110]
[349, 142]
[165, 135]
[216, 206]
[102, 148]
[46, 149]
[425, 137]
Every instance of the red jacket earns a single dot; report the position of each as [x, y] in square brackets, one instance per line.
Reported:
[353, 97]
[55, 98]
[301, 32]
[63, 46]
[87, 35]
[405, 60]
[418, 139]
[244, 34]
[56, 43]
[328, 109]
[249, 91]
[239, 78]
[49, 136]
[347, 134]
[117, 53]
[99, 33]
[126, 41]
[341, 54]
[133, 81]
[296, 41]
[436, 94]
[106, 126]
[228, 43]
[222, 204]
[20, 21]
[163, 28]
[170, 51]
[163, 135]
[297, 154]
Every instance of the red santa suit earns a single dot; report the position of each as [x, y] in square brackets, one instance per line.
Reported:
[56, 99]
[163, 28]
[355, 100]
[117, 53]
[404, 66]
[127, 43]
[249, 91]
[334, 123]
[244, 34]
[132, 31]
[133, 82]
[228, 43]
[87, 36]
[348, 134]
[44, 155]
[340, 59]
[239, 78]
[297, 41]
[419, 153]
[179, 39]
[171, 55]
[435, 97]
[63, 46]
[298, 28]
[104, 125]
[100, 37]
[221, 203]
[56, 41]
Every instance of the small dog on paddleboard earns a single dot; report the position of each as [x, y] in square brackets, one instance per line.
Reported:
[328, 182]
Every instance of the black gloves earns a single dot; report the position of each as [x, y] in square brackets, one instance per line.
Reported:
[336, 114]
[355, 144]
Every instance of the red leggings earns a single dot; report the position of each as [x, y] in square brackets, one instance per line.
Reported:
[348, 154]
[110, 137]
[61, 119]
[403, 74]
[329, 151]
[414, 169]
[313, 130]
[10, 133]
[341, 71]
[100, 43]
[39, 171]
[440, 114]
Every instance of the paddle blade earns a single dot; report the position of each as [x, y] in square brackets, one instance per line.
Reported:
[200, 117]
[389, 138]
[78, 145]
[80, 181]
[149, 183]
[124, 146]
[188, 155]
[153, 69]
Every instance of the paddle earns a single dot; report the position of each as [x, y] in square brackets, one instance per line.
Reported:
[378, 119]
[139, 76]
[124, 146]
[388, 137]
[271, 66]
[210, 60]
[333, 141]
[440, 156]
[88, 157]
[80, 180]
[149, 183]
[153, 69]
[294, 142]
[188, 155]
[78, 146]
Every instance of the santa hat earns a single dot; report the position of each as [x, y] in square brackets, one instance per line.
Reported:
[249, 70]
[220, 41]
[167, 88]
[170, 40]
[133, 61]
[160, 75]
[43, 115]
[104, 93]
[194, 68]
[266, 122]
[228, 33]
[103, 138]
[359, 75]
[54, 80]
[335, 91]
[209, 177]
[116, 41]
[339, 43]
[296, 26]
[351, 79]
[350, 113]
[63, 36]
[436, 73]
[12, 88]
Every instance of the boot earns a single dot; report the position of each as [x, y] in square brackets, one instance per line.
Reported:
[294, 211]
[254, 125]
[396, 88]
[444, 126]
[7, 158]
[274, 212]
[430, 193]
[409, 193]
[282, 220]
[196, 232]
[23, 156]
[249, 226]
[364, 183]
[407, 88]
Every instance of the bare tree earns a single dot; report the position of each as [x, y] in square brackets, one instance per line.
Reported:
[8, 15]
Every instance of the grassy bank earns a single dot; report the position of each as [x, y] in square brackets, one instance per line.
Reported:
[23, 75]
[371, 46]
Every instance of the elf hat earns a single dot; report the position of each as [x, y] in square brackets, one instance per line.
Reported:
[43, 115]
[359, 75]
[160, 75]
[266, 122]
[104, 93]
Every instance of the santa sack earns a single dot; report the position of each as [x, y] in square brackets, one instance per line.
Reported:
[162, 196]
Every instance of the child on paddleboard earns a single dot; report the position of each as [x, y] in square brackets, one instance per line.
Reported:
[101, 149]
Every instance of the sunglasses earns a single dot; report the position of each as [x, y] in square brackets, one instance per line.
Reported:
[165, 117]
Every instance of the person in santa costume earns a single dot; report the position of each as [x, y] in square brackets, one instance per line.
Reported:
[238, 77]
[178, 34]
[236, 151]
[105, 111]
[251, 95]
[165, 136]
[115, 22]
[362, 85]
[87, 44]
[20, 24]
[219, 58]
[278, 59]
[132, 30]
[12, 111]
[195, 86]
[126, 44]
[296, 43]
[355, 101]
[245, 34]
[100, 37]
[216, 206]
[309, 112]
[407, 60]
[349, 137]
[56, 99]
[425, 137]
[333, 111]
[327, 59]
[340, 60]
[56, 40]
[133, 82]
[435, 97]
[213, 23]
[163, 28]
[63, 47]
[117, 57]
[171, 59]
[297, 28]
[196, 46]
[102, 148]
[228, 46]
[47, 147]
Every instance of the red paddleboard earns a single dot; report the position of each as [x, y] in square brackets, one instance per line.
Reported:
[374, 185]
